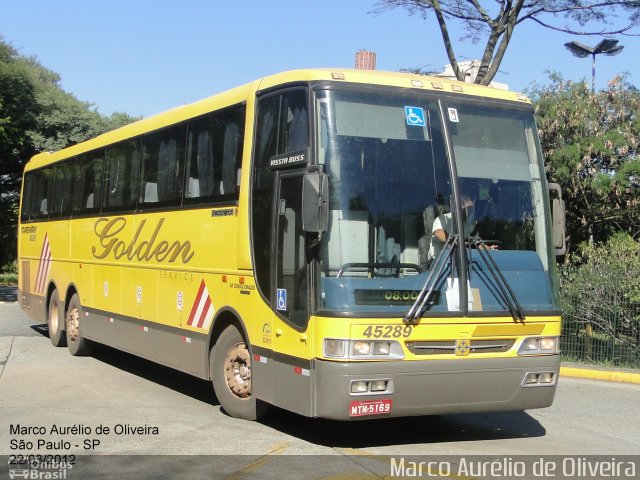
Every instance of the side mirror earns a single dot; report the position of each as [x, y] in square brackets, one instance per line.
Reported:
[558, 219]
[315, 202]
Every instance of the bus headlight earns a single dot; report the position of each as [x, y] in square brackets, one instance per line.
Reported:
[359, 387]
[334, 347]
[371, 387]
[362, 349]
[539, 346]
[539, 379]
[381, 348]
[359, 348]
[530, 345]
[547, 377]
[549, 344]
[378, 385]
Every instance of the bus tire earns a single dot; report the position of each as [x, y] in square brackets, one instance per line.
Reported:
[230, 367]
[55, 321]
[78, 346]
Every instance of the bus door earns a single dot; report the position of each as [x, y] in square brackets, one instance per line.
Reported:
[292, 346]
[291, 270]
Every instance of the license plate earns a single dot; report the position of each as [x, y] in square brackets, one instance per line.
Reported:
[370, 407]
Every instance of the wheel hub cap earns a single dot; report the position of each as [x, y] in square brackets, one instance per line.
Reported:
[237, 370]
[72, 324]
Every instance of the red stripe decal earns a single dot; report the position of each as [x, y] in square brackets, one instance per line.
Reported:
[205, 311]
[194, 308]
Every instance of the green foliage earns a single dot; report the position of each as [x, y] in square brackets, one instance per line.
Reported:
[10, 268]
[591, 145]
[8, 279]
[36, 115]
[17, 116]
[9, 274]
[600, 292]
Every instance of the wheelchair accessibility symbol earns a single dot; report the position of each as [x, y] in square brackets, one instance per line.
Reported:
[415, 116]
[281, 299]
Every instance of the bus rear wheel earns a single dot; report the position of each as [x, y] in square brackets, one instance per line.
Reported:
[230, 367]
[55, 321]
[78, 346]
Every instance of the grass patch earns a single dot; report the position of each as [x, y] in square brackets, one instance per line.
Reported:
[8, 279]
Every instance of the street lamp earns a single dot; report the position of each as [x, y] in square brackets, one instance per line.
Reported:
[608, 46]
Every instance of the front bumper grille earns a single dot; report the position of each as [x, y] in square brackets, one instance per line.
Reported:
[448, 347]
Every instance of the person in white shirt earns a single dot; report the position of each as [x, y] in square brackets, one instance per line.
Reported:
[444, 224]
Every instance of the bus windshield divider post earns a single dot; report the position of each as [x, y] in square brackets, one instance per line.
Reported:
[418, 307]
[516, 310]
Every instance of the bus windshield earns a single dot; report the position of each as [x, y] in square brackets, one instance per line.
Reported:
[497, 164]
[391, 188]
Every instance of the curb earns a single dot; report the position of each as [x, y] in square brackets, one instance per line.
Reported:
[607, 375]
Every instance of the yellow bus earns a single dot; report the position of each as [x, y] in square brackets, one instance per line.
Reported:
[282, 240]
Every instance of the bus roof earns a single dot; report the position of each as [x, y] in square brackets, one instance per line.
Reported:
[240, 94]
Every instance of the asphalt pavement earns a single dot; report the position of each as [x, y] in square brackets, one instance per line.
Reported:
[8, 293]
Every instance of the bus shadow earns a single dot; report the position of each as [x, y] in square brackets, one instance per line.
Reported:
[154, 372]
[331, 433]
[42, 329]
[407, 430]
[175, 380]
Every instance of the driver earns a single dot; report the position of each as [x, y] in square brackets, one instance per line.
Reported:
[444, 224]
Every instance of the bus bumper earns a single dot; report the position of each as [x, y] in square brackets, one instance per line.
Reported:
[433, 387]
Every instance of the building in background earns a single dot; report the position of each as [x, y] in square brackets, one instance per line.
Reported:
[365, 60]
[470, 69]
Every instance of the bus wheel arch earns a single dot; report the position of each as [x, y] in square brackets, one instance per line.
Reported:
[50, 290]
[78, 345]
[230, 367]
[225, 317]
[55, 317]
[71, 291]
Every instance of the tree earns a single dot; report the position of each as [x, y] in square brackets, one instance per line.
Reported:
[36, 115]
[591, 145]
[600, 293]
[17, 116]
[18, 113]
[498, 20]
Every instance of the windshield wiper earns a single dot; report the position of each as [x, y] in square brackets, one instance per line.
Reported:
[426, 293]
[509, 298]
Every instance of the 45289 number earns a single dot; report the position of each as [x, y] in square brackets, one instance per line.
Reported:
[387, 331]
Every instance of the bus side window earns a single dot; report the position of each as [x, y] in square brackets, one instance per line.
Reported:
[122, 169]
[162, 168]
[61, 201]
[199, 179]
[40, 193]
[88, 187]
[214, 157]
[230, 158]
[200, 175]
[294, 123]
[26, 197]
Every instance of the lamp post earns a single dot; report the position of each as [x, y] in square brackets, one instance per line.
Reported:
[608, 46]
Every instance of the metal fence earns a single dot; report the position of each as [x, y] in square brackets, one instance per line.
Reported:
[601, 321]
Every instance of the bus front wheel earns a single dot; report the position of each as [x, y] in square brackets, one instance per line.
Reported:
[230, 367]
[55, 321]
[78, 346]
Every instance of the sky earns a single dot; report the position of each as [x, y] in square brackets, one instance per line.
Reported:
[145, 56]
